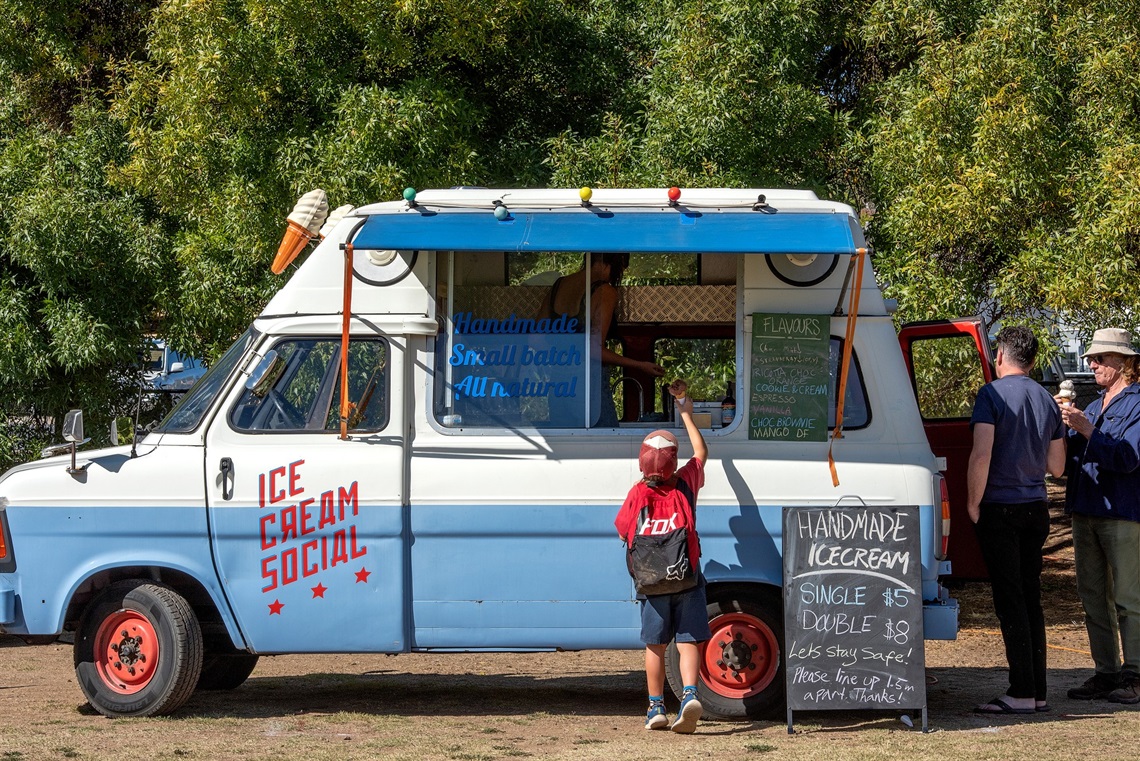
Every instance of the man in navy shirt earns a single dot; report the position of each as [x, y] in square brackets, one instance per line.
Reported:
[1018, 436]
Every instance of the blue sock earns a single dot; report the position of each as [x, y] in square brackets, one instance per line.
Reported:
[656, 698]
[692, 687]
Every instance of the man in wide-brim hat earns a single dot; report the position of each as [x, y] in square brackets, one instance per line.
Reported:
[1103, 450]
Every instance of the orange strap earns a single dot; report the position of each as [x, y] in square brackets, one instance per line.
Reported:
[344, 402]
[845, 362]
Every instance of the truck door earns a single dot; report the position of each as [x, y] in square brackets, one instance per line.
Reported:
[948, 361]
[308, 528]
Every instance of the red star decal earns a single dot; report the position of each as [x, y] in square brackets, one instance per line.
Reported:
[275, 607]
[319, 590]
[362, 575]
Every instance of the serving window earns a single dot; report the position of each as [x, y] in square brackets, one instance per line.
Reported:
[507, 358]
[521, 345]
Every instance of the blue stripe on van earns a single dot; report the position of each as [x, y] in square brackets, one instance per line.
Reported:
[540, 576]
[634, 231]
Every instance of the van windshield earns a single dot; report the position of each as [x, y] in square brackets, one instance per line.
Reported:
[193, 407]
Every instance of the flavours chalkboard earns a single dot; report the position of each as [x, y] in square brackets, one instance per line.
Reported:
[789, 377]
[853, 609]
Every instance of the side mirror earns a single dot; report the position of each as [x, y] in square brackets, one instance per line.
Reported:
[265, 375]
[73, 426]
[73, 434]
[177, 367]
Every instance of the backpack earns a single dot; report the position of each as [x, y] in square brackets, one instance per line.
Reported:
[659, 564]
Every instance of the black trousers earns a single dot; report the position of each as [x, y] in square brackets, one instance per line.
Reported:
[1011, 538]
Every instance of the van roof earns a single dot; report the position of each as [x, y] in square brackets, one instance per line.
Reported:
[562, 197]
[752, 221]
[629, 220]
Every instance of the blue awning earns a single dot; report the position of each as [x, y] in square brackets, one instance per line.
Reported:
[666, 231]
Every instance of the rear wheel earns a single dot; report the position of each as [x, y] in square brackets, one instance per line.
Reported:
[742, 665]
[138, 650]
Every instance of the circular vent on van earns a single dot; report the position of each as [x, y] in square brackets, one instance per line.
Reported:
[801, 270]
[382, 267]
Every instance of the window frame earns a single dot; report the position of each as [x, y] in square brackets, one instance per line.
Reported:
[963, 337]
[327, 389]
[435, 414]
[858, 370]
[212, 386]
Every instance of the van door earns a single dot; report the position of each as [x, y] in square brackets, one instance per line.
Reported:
[308, 528]
[948, 361]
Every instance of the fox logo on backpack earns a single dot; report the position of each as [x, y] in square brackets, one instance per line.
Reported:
[658, 554]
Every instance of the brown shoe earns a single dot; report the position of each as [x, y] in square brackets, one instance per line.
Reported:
[1129, 690]
[1096, 687]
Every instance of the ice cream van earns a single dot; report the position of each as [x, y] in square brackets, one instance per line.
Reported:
[409, 450]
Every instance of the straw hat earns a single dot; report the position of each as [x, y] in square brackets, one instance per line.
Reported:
[1110, 341]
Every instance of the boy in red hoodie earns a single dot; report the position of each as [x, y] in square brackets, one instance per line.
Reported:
[664, 501]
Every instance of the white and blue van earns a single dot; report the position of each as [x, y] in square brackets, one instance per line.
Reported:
[402, 454]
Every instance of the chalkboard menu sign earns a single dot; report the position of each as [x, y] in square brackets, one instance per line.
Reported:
[853, 609]
[789, 377]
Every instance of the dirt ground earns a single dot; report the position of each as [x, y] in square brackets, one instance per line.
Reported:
[586, 705]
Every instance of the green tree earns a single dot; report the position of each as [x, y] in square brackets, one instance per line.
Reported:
[81, 261]
[1003, 161]
[149, 150]
[240, 107]
[727, 93]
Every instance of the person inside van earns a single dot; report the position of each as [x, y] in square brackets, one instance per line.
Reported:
[1018, 436]
[658, 524]
[568, 296]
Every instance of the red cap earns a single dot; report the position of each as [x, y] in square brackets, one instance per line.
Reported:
[658, 456]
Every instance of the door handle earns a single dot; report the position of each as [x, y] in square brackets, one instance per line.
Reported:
[227, 468]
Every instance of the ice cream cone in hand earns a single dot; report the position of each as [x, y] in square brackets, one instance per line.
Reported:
[679, 389]
[1066, 393]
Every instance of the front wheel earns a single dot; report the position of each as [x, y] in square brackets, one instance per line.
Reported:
[138, 650]
[742, 665]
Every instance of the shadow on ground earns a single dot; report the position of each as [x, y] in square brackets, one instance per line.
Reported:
[951, 697]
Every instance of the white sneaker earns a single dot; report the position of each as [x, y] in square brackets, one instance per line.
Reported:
[688, 714]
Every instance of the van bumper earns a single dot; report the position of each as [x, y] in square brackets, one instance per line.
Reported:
[940, 619]
[7, 604]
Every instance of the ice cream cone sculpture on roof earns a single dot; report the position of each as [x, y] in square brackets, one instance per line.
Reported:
[304, 223]
[334, 219]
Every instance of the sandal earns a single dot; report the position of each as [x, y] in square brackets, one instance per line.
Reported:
[999, 706]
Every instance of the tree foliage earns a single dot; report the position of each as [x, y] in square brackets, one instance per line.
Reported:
[81, 260]
[150, 148]
[1003, 163]
[728, 95]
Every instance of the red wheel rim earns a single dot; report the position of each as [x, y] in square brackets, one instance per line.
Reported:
[126, 651]
[742, 658]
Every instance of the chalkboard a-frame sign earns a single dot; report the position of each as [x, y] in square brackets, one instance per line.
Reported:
[853, 609]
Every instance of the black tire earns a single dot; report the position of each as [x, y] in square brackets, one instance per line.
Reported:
[138, 650]
[748, 632]
[226, 671]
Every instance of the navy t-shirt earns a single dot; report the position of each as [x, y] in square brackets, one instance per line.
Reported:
[1025, 419]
